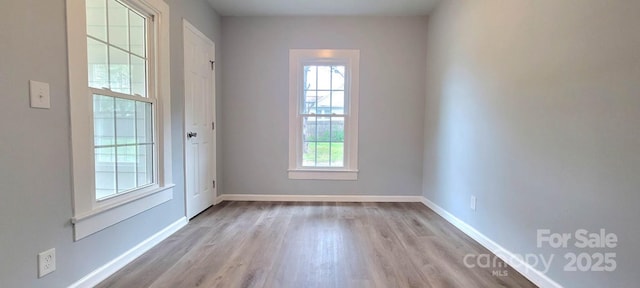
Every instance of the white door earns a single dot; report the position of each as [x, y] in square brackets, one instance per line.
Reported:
[200, 107]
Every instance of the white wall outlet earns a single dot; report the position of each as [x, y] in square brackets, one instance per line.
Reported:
[46, 262]
[39, 93]
[472, 203]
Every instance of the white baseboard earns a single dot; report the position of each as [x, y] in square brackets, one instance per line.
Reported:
[218, 200]
[319, 198]
[534, 275]
[94, 278]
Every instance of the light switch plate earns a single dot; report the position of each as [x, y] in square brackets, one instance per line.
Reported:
[39, 92]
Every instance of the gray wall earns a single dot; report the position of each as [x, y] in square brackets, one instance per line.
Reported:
[35, 167]
[203, 17]
[533, 106]
[256, 93]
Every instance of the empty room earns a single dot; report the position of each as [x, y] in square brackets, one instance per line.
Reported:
[333, 143]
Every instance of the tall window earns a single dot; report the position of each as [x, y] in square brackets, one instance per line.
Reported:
[123, 104]
[118, 52]
[323, 114]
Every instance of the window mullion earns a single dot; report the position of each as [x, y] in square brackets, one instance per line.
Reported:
[316, 140]
[149, 35]
[107, 5]
[330, 128]
[330, 111]
[115, 140]
[135, 140]
[331, 88]
[129, 52]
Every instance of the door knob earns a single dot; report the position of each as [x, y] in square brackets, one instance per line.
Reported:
[191, 135]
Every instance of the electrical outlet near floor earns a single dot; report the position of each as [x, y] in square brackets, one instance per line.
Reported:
[472, 203]
[46, 262]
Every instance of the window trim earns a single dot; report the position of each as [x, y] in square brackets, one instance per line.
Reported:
[90, 215]
[297, 59]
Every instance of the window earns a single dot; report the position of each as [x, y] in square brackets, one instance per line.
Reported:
[323, 114]
[118, 71]
[123, 133]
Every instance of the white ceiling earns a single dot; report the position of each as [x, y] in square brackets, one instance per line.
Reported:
[322, 7]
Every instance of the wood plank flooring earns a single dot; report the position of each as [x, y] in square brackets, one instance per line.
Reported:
[320, 244]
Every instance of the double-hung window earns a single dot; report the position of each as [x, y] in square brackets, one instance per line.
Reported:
[123, 106]
[118, 70]
[323, 114]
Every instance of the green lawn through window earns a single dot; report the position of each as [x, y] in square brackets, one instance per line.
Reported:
[337, 154]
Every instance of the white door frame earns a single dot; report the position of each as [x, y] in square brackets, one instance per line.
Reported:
[186, 25]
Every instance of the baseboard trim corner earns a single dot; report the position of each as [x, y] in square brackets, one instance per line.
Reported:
[534, 275]
[319, 198]
[95, 277]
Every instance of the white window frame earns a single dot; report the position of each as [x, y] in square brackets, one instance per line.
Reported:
[298, 58]
[89, 214]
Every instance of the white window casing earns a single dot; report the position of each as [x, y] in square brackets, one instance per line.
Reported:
[89, 214]
[298, 59]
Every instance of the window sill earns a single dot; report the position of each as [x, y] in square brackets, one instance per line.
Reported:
[99, 219]
[317, 174]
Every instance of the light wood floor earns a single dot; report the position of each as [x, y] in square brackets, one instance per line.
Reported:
[299, 245]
